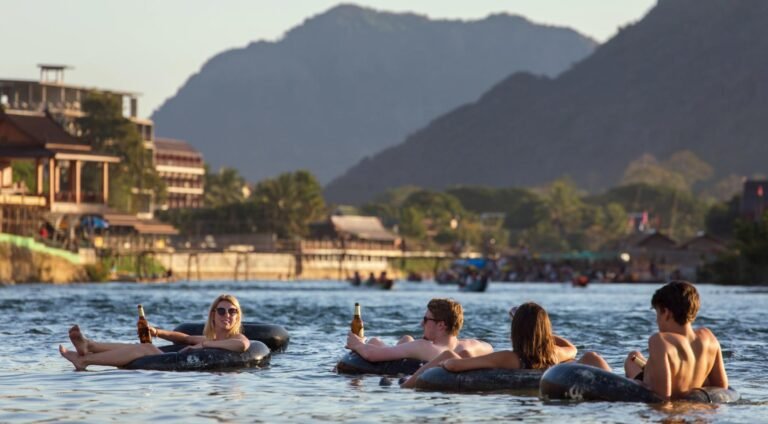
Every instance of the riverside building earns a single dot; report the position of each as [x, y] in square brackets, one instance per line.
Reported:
[38, 126]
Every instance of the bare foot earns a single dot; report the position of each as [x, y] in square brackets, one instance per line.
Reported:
[80, 342]
[72, 357]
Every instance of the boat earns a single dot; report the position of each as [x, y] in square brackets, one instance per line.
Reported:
[477, 285]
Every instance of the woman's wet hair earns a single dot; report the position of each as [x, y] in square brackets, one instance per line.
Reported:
[532, 338]
[209, 331]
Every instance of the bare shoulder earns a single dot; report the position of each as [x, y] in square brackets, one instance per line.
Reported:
[706, 335]
[476, 346]
[472, 342]
[661, 341]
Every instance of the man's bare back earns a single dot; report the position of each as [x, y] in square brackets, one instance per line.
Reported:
[679, 363]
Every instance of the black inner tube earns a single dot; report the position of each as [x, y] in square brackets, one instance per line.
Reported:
[576, 382]
[207, 359]
[352, 363]
[481, 380]
[274, 336]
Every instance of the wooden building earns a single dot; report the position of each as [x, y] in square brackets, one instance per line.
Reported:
[58, 195]
[63, 102]
[58, 160]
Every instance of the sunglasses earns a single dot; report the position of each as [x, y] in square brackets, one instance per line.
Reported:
[224, 311]
[425, 319]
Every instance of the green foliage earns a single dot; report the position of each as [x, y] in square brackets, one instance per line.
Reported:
[520, 206]
[412, 223]
[680, 214]
[692, 168]
[226, 219]
[287, 204]
[745, 262]
[109, 132]
[680, 171]
[98, 272]
[647, 170]
[24, 172]
[725, 188]
[224, 187]
[721, 218]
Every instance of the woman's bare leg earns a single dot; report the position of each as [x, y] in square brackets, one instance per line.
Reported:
[114, 357]
[85, 346]
[595, 360]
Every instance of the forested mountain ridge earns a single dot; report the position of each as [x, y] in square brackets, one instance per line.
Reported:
[688, 76]
[349, 82]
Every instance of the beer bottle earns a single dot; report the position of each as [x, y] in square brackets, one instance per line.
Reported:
[143, 327]
[639, 361]
[357, 321]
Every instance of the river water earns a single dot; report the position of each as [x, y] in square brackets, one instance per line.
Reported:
[37, 385]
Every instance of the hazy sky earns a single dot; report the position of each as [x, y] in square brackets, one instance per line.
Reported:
[153, 46]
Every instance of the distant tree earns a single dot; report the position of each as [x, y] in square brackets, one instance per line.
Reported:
[411, 223]
[520, 206]
[109, 132]
[692, 168]
[224, 187]
[286, 205]
[678, 213]
[396, 196]
[725, 188]
[648, 170]
[745, 261]
[722, 217]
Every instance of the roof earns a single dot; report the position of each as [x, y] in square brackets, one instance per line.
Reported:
[142, 226]
[362, 227]
[705, 242]
[41, 128]
[649, 240]
[38, 135]
[170, 144]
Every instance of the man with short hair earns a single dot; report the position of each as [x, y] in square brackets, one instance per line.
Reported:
[681, 358]
[442, 322]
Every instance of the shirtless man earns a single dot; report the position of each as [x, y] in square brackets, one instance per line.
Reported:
[681, 358]
[442, 321]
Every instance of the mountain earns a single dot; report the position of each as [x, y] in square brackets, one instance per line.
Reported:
[348, 83]
[689, 76]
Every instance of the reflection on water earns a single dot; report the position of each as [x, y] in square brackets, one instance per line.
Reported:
[37, 385]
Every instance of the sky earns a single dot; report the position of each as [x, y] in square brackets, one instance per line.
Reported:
[154, 46]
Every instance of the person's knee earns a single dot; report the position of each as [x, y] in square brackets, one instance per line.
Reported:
[405, 339]
[594, 359]
[591, 358]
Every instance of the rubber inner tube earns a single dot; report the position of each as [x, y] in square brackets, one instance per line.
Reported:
[578, 382]
[274, 336]
[352, 363]
[483, 380]
[208, 359]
